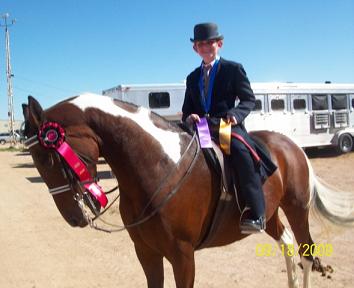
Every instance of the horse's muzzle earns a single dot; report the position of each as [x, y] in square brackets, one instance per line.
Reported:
[77, 222]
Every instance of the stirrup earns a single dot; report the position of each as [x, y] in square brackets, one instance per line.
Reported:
[251, 226]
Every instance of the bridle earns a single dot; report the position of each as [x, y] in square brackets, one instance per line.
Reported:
[52, 136]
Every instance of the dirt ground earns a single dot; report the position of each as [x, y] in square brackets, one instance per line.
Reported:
[39, 250]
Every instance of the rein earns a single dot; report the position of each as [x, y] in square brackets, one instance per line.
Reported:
[143, 218]
[52, 136]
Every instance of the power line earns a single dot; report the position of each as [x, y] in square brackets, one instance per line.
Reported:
[44, 84]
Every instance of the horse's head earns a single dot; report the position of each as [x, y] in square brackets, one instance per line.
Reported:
[70, 127]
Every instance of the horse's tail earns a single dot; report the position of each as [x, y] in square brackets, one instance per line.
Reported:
[330, 203]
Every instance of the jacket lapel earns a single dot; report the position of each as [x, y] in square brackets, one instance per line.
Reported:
[197, 89]
[216, 83]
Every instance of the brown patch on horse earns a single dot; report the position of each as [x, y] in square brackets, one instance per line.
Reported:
[65, 113]
[125, 132]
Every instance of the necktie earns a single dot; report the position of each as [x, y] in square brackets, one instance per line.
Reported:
[206, 73]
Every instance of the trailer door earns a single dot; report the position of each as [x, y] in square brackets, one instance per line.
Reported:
[256, 119]
[279, 116]
[300, 122]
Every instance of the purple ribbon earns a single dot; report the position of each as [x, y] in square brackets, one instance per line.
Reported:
[204, 133]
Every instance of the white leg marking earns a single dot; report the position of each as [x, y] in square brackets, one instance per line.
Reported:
[286, 243]
[307, 265]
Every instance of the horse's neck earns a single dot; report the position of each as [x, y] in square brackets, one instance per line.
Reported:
[139, 155]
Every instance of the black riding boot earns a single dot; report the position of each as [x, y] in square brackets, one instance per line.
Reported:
[251, 188]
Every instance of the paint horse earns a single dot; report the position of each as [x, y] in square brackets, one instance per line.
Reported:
[169, 193]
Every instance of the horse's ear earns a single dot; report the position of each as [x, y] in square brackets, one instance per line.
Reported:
[34, 111]
[25, 111]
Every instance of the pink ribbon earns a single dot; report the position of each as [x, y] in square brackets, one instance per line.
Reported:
[82, 172]
[74, 162]
[97, 192]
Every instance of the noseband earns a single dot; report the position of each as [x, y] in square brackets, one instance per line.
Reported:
[52, 136]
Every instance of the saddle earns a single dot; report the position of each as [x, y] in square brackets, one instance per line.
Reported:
[229, 188]
[230, 195]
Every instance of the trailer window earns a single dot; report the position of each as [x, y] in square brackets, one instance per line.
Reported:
[339, 102]
[258, 105]
[277, 104]
[299, 104]
[353, 102]
[319, 102]
[159, 100]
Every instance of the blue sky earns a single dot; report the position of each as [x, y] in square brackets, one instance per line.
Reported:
[61, 48]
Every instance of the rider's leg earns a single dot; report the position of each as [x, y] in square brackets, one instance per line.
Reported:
[250, 185]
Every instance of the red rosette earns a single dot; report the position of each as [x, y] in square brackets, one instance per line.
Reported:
[51, 135]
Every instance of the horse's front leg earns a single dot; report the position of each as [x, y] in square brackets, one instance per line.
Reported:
[152, 263]
[182, 260]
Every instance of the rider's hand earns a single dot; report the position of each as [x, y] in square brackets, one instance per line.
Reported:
[193, 118]
[231, 119]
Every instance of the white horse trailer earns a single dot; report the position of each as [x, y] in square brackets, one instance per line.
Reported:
[312, 114]
[163, 99]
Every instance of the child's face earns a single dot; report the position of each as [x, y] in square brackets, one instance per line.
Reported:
[207, 49]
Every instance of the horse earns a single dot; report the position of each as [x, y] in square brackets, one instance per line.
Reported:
[168, 191]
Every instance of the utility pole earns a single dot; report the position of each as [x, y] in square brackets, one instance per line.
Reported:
[9, 76]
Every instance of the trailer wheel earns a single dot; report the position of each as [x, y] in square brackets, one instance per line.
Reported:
[345, 143]
[2, 142]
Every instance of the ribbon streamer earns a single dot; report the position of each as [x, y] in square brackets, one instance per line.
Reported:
[204, 133]
[82, 172]
[225, 136]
